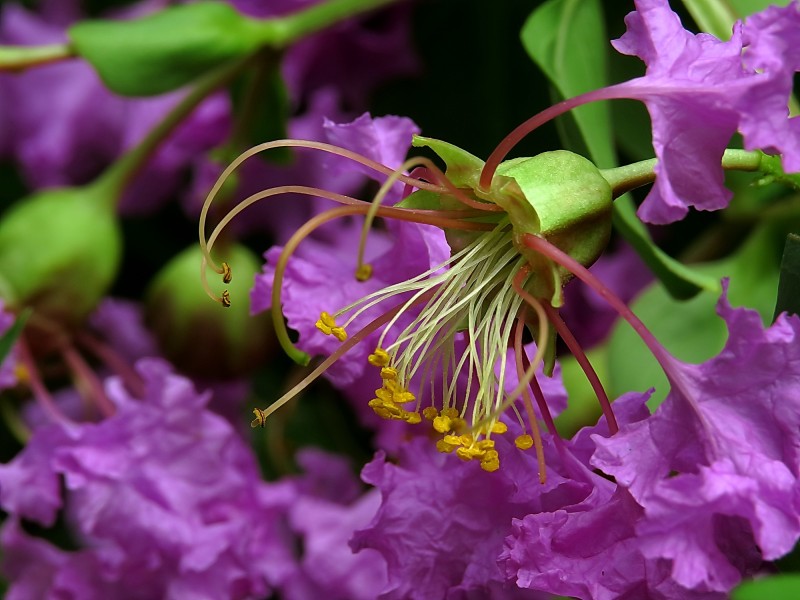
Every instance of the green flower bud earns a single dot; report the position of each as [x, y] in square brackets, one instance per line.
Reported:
[195, 334]
[59, 254]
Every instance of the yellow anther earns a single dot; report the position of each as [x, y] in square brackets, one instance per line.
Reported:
[260, 420]
[412, 418]
[459, 424]
[388, 373]
[430, 413]
[364, 272]
[450, 412]
[524, 442]
[225, 299]
[404, 396]
[384, 394]
[444, 447]
[327, 325]
[469, 453]
[490, 465]
[379, 358]
[442, 424]
[499, 427]
[491, 455]
[452, 440]
[485, 444]
[466, 439]
[227, 275]
[21, 373]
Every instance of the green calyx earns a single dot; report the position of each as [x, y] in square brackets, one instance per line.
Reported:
[559, 195]
[59, 253]
[195, 334]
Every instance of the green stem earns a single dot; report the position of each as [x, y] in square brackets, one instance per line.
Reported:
[18, 58]
[13, 422]
[283, 31]
[119, 175]
[629, 177]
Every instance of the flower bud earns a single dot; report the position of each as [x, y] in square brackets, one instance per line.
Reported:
[198, 336]
[59, 253]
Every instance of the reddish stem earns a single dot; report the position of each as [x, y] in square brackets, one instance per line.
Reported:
[114, 361]
[513, 138]
[583, 361]
[40, 392]
[97, 394]
[519, 352]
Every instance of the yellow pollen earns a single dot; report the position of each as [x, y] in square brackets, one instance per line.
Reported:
[450, 412]
[442, 424]
[21, 373]
[430, 413]
[327, 325]
[388, 373]
[443, 447]
[412, 418]
[485, 444]
[227, 275]
[379, 358]
[499, 427]
[524, 442]
[363, 272]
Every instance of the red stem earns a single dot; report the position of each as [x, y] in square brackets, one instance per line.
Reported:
[583, 361]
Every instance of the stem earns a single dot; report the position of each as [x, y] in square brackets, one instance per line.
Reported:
[119, 175]
[13, 422]
[19, 58]
[629, 177]
[283, 31]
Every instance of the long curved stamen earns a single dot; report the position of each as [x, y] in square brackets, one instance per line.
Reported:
[588, 369]
[96, 393]
[288, 143]
[526, 397]
[664, 358]
[355, 339]
[113, 360]
[614, 92]
[40, 392]
[440, 218]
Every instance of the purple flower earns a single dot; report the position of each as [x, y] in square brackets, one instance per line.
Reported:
[716, 467]
[163, 500]
[70, 133]
[407, 250]
[700, 91]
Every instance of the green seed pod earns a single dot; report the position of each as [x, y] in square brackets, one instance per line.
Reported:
[560, 196]
[195, 334]
[59, 253]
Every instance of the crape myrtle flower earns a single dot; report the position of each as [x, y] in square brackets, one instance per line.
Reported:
[65, 127]
[163, 499]
[449, 321]
[443, 522]
[699, 91]
[706, 488]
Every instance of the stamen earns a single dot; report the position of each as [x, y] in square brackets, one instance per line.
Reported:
[40, 392]
[525, 441]
[96, 393]
[587, 367]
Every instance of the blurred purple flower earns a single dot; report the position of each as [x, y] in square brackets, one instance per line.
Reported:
[700, 91]
[65, 127]
[163, 499]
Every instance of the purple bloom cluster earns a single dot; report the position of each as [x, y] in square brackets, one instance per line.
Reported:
[164, 500]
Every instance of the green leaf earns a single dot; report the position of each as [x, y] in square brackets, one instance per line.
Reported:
[567, 40]
[691, 330]
[789, 284]
[9, 338]
[165, 50]
[777, 587]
